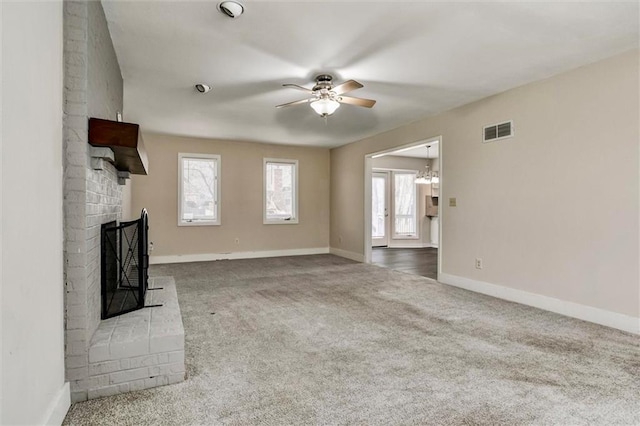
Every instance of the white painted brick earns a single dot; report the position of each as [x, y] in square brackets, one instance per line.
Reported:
[77, 373]
[166, 343]
[75, 196]
[77, 348]
[73, 59]
[163, 358]
[177, 378]
[75, 209]
[137, 385]
[175, 357]
[75, 159]
[79, 123]
[75, 285]
[73, 234]
[99, 381]
[75, 185]
[75, 95]
[129, 350]
[98, 353]
[75, 108]
[166, 369]
[75, 8]
[76, 361]
[108, 391]
[79, 34]
[144, 361]
[129, 375]
[75, 336]
[77, 311]
[103, 367]
[78, 396]
[74, 297]
[72, 21]
[76, 260]
[75, 46]
[157, 381]
[75, 323]
[74, 83]
[73, 214]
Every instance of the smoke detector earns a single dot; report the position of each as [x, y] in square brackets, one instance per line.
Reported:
[231, 8]
[202, 88]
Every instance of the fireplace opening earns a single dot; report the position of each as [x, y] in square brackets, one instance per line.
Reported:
[125, 265]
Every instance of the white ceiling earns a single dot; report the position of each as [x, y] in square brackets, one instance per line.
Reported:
[415, 58]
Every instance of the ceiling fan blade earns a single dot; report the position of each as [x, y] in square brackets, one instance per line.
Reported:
[295, 86]
[347, 86]
[367, 103]
[301, 101]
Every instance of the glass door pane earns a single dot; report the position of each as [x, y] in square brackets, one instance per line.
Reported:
[405, 221]
[378, 196]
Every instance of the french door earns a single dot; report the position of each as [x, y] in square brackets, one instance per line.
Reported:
[380, 200]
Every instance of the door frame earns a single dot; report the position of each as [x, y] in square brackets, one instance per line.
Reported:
[387, 202]
[368, 174]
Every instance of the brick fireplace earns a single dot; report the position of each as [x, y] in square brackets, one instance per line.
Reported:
[97, 356]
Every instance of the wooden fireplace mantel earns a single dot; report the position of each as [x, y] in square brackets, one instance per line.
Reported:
[125, 139]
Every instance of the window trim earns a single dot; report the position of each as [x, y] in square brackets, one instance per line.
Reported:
[218, 159]
[293, 220]
[394, 235]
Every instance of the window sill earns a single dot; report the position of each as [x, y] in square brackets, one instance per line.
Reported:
[280, 222]
[200, 223]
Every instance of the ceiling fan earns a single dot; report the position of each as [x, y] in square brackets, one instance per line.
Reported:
[325, 98]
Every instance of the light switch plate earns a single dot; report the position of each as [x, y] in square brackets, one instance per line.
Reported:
[452, 202]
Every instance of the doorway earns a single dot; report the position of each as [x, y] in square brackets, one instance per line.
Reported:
[380, 205]
[388, 243]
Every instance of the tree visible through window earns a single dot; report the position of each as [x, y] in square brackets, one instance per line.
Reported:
[280, 191]
[405, 223]
[199, 189]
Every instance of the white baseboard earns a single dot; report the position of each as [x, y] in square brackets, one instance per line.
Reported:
[410, 245]
[358, 257]
[570, 309]
[58, 407]
[206, 257]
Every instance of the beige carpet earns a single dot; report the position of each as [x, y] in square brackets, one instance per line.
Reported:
[323, 340]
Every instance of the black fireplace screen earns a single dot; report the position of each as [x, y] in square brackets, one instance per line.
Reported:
[125, 264]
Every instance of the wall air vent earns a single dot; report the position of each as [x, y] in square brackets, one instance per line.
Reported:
[498, 131]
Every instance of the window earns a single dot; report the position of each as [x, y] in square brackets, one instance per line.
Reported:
[280, 191]
[198, 189]
[405, 223]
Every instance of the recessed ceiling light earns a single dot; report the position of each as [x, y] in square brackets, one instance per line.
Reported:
[232, 9]
[203, 88]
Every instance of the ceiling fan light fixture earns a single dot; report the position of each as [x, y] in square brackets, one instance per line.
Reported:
[325, 106]
[232, 9]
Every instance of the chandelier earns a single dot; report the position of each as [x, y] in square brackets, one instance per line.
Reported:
[427, 177]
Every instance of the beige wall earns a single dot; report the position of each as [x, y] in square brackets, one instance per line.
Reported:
[552, 211]
[242, 197]
[392, 162]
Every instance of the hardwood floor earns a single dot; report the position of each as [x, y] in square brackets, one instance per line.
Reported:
[417, 261]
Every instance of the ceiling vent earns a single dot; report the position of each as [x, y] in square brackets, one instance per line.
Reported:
[498, 131]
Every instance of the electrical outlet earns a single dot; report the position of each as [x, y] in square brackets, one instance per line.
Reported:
[453, 202]
[237, 240]
[150, 246]
[340, 238]
[478, 263]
